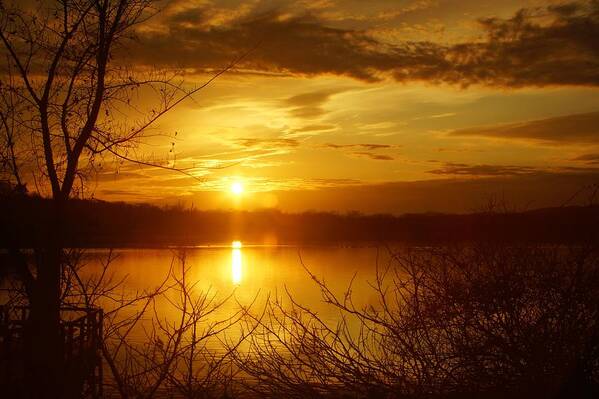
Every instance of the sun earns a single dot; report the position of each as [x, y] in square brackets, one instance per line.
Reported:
[237, 188]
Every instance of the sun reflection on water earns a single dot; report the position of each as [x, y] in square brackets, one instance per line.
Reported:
[236, 262]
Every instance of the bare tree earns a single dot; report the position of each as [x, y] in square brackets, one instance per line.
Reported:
[10, 157]
[65, 102]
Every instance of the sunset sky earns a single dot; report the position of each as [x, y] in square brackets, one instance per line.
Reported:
[375, 106]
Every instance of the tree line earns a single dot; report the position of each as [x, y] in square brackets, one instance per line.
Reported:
[94, 223]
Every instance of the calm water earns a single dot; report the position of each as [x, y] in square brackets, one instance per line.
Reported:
[250, 273]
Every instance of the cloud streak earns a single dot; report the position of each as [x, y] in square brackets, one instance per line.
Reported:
[460, 169]
[576, 128]
[254, 142]
[373, 156]
[361, 145]
[588, 158]
[364, 150]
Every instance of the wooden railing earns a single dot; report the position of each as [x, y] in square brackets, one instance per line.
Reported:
[81, 329]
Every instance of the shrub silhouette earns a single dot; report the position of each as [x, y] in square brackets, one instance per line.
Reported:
[498, 321]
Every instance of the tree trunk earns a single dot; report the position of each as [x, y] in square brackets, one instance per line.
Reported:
[44, 342]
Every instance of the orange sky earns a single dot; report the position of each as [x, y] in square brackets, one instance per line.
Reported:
[378, 106]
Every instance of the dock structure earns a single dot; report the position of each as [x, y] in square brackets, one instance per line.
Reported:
[81, 331]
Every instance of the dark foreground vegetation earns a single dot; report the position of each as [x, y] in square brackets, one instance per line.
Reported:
[93, 223]
[467, 321]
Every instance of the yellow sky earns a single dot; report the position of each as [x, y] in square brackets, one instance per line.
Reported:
[384, 108]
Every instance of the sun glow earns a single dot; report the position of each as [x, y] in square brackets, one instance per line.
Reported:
[237, 188]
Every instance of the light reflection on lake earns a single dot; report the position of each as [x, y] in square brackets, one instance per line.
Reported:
[236, 263]
[251, 273]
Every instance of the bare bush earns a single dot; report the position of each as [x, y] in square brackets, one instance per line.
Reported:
[494, 320]
[168, 340]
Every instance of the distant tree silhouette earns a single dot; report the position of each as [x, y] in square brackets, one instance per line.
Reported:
[96, 223]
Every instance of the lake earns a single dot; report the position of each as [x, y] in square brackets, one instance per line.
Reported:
[250, 273]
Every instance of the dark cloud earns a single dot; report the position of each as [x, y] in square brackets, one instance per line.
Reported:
[361, 145]
[536, 47]
[555, 45]
[252, 142]
[588, 158]
[367, 150]
[308, 105]
[310, 99]
[578, 169]
[307, 112]
[460, 169]
[300, 44]
[376, 146]
[373, 156]
[576, 128]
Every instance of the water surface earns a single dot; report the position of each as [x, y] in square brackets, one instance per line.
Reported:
[249, 273]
